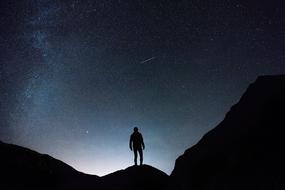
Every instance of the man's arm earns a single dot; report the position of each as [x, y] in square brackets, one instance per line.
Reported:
[142, 142]
[130, 143]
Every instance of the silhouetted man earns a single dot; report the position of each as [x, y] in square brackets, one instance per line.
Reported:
[137, 145]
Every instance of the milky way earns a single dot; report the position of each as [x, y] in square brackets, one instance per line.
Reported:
[77, 76]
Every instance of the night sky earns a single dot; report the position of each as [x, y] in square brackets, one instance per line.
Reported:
[77, 76]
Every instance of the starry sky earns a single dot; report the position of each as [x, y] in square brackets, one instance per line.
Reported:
[77, 76]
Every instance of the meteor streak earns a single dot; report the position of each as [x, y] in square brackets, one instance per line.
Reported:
[147, 60]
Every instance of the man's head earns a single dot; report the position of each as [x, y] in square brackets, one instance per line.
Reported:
[136, 129]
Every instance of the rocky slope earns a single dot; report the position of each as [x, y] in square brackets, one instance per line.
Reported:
[136, 178]
[22, 168]
[245, 151]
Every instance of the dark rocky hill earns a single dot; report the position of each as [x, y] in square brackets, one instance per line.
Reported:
[246, 150]
[136, 178]
[22, 168]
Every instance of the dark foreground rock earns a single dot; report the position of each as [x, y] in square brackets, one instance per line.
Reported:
[22, 168]
[246, 150]
[137, 178]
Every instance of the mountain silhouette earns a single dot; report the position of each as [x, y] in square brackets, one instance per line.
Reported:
[22, 168]
[246, 150]
[136, 178]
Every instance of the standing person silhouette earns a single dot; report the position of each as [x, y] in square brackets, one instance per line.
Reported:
[137, 145]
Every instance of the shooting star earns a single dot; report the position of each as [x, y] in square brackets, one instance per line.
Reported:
[147, 60]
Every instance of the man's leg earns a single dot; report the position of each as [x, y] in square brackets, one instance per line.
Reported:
[141, 156]
[136, 155]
